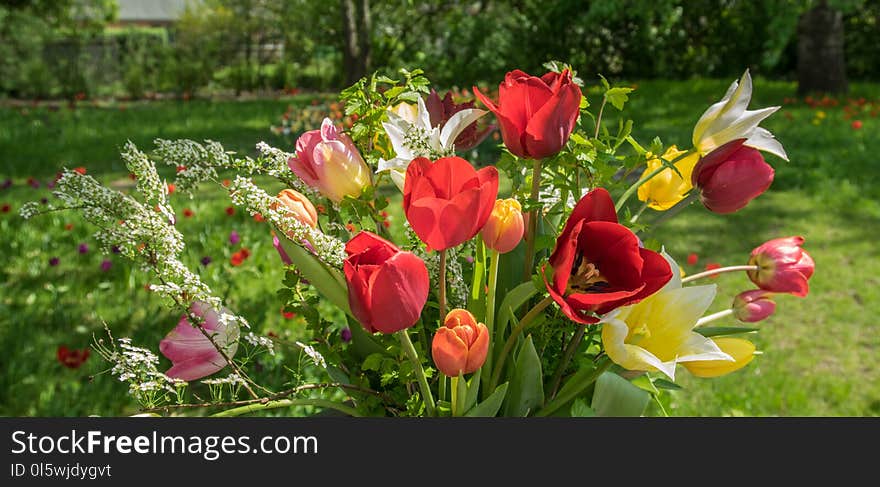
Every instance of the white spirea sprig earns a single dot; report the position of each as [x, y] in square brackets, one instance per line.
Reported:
[245, 193]
[196, 163]
[138, 367]
[313, 354]
[260, 341]
[275, 164]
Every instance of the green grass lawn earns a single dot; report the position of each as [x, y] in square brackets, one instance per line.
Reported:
[820, 353]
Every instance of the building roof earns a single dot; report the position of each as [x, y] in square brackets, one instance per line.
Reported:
[150, 10]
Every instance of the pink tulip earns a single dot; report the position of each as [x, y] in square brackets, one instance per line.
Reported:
[281, 252]
[753, 306]
[192, 354]
[783, 266]
[328, 161]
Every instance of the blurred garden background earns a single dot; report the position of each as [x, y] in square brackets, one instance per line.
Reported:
[79, 78]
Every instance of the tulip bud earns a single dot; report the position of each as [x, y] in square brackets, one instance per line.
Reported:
[742, 352]
[504, 228]
[783, 266]
[329, 161]
[667, 188]
[387, 287]
[281, 252]
[753, 306]
[731, 176]
[300, 206]
[536, 114]
[461, 344]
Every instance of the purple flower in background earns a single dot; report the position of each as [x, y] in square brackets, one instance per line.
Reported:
[50, 184]
[34, 183]
[205, 260]
[83, 248]
[106, 264]
[54, 261]
[345, 334]
[115, 249]
[44, 200]
[6, 184]
[234, 238]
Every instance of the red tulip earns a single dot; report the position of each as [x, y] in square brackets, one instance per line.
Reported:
[447, 202]
[441, 110]
[387, 287]
[460, 346]
[784, 267]
[537, 115]
[753, 306]
[599, 265]
[731, 176]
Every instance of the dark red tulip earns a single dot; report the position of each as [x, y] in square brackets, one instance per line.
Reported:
[441, 110]
[448, 201]
[784, 267]
[387, 287]
[731, 176]
[537, 115]
[599, 265]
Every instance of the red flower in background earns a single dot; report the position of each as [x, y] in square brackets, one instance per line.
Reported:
[72, 358]
[441, 110]
[448, 201]
[537, 115]
[731, 176]
[80, 170]
[599, 265]
[693, 258]
[239, 257]
[230, 210]
[387, 287]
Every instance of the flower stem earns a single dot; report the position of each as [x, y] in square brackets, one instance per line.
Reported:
[490, 308]
[410, 351]
[453, 388]
[441, 292]
[599, 117]
[533, 221]
[511, 340]
[714, 317]
[566, 358]
[286, 403]
[579, 387]
[720, 270]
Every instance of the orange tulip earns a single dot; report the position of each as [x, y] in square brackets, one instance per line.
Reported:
[505, 226]
[461, 344]
[300, 206]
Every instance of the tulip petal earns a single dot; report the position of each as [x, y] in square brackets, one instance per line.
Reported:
[628, 356]
[743, 127]
[398, 292]
[740, 179]
[549, 128]
[457, 123]
[614, 249]
[726, 111]
[478, 350]
[763, 140]
[449, 352]
[741, 352]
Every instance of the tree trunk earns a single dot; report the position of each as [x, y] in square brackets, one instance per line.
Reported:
[356, 27]
[821, 65]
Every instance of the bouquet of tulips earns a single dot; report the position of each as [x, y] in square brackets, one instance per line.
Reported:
[432, 287]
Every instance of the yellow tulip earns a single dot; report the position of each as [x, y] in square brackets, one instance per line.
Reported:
[742, 351]
[658, 333]
[666, 189]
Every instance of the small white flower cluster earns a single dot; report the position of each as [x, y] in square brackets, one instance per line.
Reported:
[315, 355]
[274, 163]
[245, 193]
[195, 163]
[231, 379]
[137, 366]
[260, 341]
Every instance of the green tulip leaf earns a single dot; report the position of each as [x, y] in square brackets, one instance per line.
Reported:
[715, 331]
[489, 408]
[473, 390]
[616, 396]
[665, 384]
[579, 409]
[526, 385]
